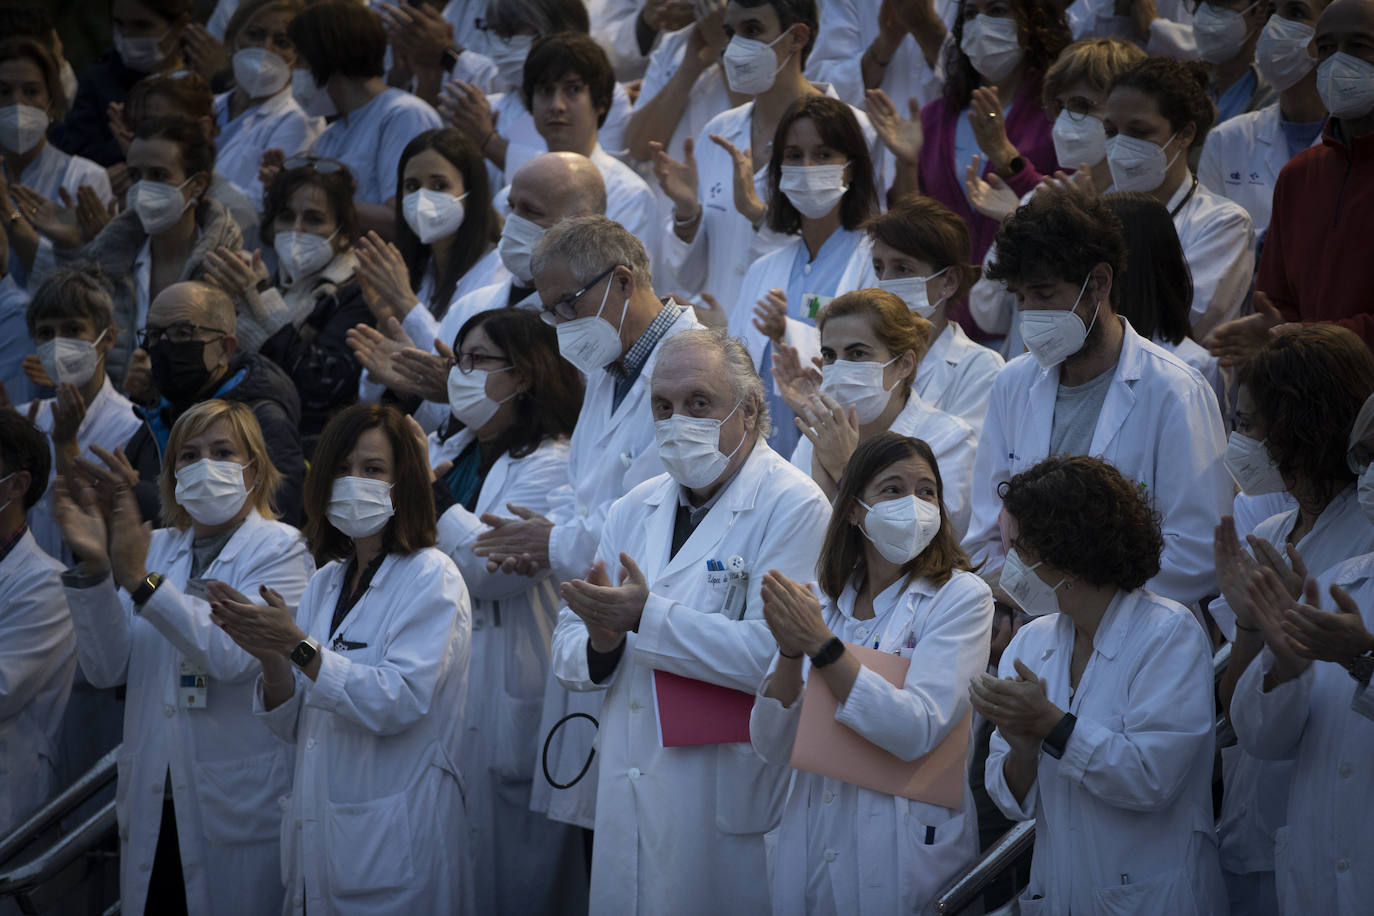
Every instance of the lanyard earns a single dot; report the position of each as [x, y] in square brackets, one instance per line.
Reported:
[1186, 197]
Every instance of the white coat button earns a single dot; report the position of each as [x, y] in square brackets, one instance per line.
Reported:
[146, 866]
[169, 710]
[828, 797]
[830, 855]
[806, 269]
[634, 772]
[310, 744]
[157, 788]
[741, 268]
[861, 634]
[1344, 771]
[634, 706]
[478, 623]
[582, 511]
[1343, 866]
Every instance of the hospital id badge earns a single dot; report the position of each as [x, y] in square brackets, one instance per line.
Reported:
[196, 588]
[193, 687]
[812, 303]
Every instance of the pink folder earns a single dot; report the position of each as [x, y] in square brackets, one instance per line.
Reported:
[829, 748]
[692, 712]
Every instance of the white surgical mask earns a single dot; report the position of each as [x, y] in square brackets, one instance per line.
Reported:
[1346, 85]
[1031, 593]
[519, 238]
[142, 54]
[359, 506]
[901, 528]
[858, 385]
[467, 397]
[313, 98]
[300, 254]
[259, 72]
[69, 82]
[591, 343]
[813, 189]
[915, 292]
[432, 214]
[70, 359]
[1281, 52]
[993, 46]
[22, 127]
[1220, 32]
[751, 66]
[1078, 140]
[1053, 335]
[211, 492]
[689, 448]
[158, 205]
[508, 54]
[1365, 491]
[1251, 466]
[1137, 165]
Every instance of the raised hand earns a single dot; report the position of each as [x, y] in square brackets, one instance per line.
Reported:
[1339, 637]
[91, 214]
[382, 267]
[793, 615]
[711, 313]
[427, 371]
[989, 127]
[376, 352]
[990, 196]
[611, 608]
[79, 515]
[1271, 603]
[677, 179]
[1235, 568]
[515, 545]
[1266, 554]
[797, 385]
[833, 431]
[902, 136]
[1237, 341]
[770, 315]
[129, 540]
[746, 195]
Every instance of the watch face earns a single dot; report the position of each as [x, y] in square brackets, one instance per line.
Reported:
[1362, 667]
[303, 654]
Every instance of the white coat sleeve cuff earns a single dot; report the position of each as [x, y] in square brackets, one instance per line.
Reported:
[1087, 737]
[1363, 701]
[458, 528]
[772, 726]
[653, 619]
[866, 701]
[283, 719]
[328, 692]
[995, 780]
[1269, 724]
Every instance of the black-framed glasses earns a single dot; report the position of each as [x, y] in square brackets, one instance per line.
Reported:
[564, 308]
[466, 362]
[181, 332]
[322, 164]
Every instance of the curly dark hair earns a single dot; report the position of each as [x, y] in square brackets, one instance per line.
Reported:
[1060, 235]
[1044, 29]
[1178, 87]
[1079, 515]
[1308, 387]
[840, 131]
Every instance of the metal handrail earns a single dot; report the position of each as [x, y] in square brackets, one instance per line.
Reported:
[1004, 853]
[72, 845]
[969, 886]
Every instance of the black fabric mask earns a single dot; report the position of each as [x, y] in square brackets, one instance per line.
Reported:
[179, 370]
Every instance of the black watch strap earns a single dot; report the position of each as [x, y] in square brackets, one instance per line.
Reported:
[1058, 738]
[832, 650]
[1362, 667]
[449, 59]
[146, 588]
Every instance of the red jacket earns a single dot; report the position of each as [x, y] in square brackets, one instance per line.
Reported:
[1316, 265]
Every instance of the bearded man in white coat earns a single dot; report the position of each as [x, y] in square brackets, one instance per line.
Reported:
[680, 829]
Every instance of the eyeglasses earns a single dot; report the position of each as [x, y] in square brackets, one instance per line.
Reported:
[486, 25]
[1078, 108]
[564, 308]
[322, 164]
[466, 362]
[181, 332]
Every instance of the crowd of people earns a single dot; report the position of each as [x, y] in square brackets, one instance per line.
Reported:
[452, 449]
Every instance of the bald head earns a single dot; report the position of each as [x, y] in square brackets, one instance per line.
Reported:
[555, 186]
[195, 303]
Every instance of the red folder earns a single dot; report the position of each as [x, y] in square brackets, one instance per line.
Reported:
[693, 713]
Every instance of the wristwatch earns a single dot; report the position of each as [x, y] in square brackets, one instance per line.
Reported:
[1058, 738]
[832, 650]
[1361, 667]
[1013, 167]
[305, 652]
[146, 588]
[449, 58]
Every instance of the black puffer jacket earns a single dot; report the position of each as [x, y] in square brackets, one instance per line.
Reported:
[263, 386]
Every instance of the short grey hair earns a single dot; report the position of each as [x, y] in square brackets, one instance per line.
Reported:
[592, 245]
[77, 291]
[745, 383]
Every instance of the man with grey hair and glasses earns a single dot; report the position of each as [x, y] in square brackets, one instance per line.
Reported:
[674, 598]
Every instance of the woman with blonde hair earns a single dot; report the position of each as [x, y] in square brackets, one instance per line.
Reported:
[199, 779]
[871, 346]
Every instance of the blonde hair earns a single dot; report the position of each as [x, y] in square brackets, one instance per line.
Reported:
[1095, 61]
[244, 426]
[896, 326]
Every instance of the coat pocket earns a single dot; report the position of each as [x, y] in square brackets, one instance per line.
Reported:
[749, 792]
[1168, 892]
[239, 798]
[368, 846]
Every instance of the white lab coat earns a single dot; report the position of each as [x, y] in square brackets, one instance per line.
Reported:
[37, 662]
[956, 375]
[847, 28]
[277, 122]
[515, 853]
[1197, 356]
[375, 821]
[1171, 35]
[680, 830]
[1123, 823]
[610, 452]
[1255, 804]
[51, 172]
[725, 245]
[1159, 426]
[227, 773]
[844, 849]
[613, 27]
[1324, 857]
[953, 442]
[708, 98]
[110, 422]
[1241, 160]
[370, 140]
